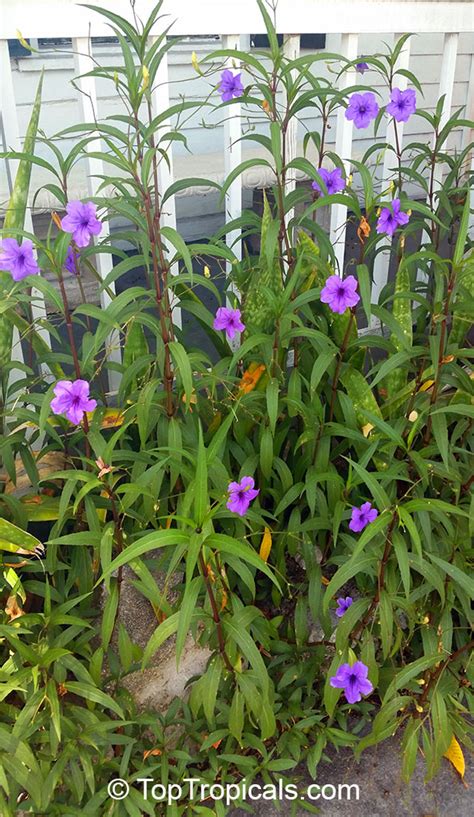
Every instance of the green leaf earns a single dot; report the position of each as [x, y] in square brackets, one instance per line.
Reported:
[344, 573]
[249, 651]
[273, 391]
[458, 576]
[201, 496]
[12, 538]
[157, 539]
[95, 695]
[226, 544]
[183, 368]
[365, 289]
[211, 686]
[164, 631]
[186, 611]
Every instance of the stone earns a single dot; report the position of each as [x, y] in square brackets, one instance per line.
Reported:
[155, 687]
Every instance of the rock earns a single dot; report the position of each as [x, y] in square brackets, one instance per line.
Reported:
[155, 687]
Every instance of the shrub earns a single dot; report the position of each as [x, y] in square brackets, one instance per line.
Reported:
[315, 461]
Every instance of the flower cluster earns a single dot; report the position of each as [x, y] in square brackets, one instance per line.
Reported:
[363, 108]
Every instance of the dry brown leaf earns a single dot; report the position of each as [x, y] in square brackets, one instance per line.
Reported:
[13, 609]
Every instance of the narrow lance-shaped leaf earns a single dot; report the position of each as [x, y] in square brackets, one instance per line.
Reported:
[15, 217]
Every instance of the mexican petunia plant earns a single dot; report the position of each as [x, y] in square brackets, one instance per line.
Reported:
[299, 477]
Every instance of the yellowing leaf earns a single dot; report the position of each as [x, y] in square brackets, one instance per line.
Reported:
[151, 753]
[455, 756]
[367, 429]
[251, 377]
[195, 63]
[146, 77]
[426, 385]
[22, 40]
[266, 545]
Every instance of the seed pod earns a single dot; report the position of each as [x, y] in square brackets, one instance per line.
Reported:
[396, 380]
[258, 312]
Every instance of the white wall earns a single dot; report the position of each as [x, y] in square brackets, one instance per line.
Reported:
[206, 159]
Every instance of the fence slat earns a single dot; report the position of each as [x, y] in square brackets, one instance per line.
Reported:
[87, 96]
[160, 101]
[446, 87]
[344, 129]
[232, 158]
[291, 50]
[11, 135]
[468, 137]
[394, 131]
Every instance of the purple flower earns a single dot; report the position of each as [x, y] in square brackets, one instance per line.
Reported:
[391, 218]
[231, 85]
[81, 221]
[18, 259]
[72, 261]
[353, 680]
[363, 516]
[362, 109]
[72, 399]
[340, 293]
[402, 104]
[241, 495]
[362, 67]
[343, 605]
[332, 179]
[228, 319]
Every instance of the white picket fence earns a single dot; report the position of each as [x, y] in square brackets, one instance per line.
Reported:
[234, 20]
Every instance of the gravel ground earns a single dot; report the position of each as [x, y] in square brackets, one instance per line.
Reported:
[382, 792]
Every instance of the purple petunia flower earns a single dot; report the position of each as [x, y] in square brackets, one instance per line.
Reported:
[332, 179]
[339, 293]
[18, 259]
[231, 85]
[241, 495]
[81, 220]
[402, 104]
[353, 680]
[363, 516]
[343, 605]
[72, 261]
[391, 218]
[228, 319]
[362, 67]
[362, 109]
[72, 399]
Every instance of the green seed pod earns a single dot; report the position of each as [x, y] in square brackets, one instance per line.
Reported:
[402, 312]
[258, 313]
[136, 345]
